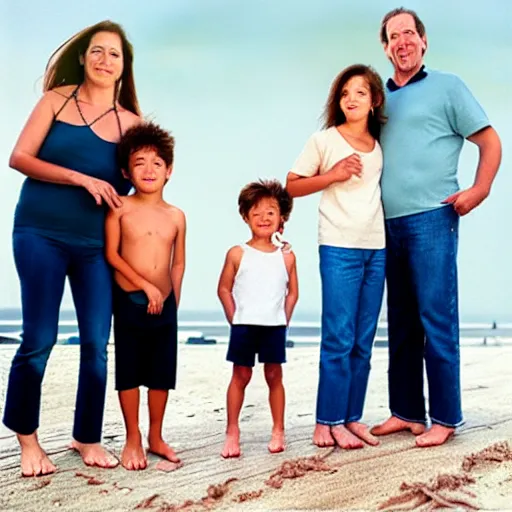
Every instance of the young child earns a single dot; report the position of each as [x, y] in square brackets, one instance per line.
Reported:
[345, 162]
[145, 244]
[258, 289]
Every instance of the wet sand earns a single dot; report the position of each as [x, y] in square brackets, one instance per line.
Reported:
[194, 426]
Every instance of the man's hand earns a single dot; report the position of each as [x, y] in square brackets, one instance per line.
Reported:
[346, 168]
[464, 201]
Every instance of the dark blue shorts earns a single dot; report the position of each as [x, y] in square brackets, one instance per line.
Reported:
[145, 345]
[245, 341]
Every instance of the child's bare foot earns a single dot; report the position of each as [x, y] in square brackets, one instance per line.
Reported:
[435, 436]
[394, 424]
[34, 461]
[363, 432]
[345, 439]
[276, 444]
[93, 454]
[232, 443]
[322, 436]
[159, 447]
[133, 456]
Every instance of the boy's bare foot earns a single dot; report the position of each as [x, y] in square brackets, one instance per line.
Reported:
[232, 443]
[322, 436]
[363, 432]
[34, 461]
[133, 456]
[159, 447]
[276, 444]
[345, 439]
[93, 454]
[435, 436]
[394, 424]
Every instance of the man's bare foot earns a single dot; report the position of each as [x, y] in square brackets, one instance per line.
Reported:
[345, 439]
[159, 447]
[133, 456]
[394, 424]
[93, 454]
[322, 436]
[34, 461]
[363, 432]
[435, 436]
[276, 444]
[232, 443]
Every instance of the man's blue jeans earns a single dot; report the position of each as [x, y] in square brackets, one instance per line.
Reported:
[352, 290]
[423, 319]
[43, 264]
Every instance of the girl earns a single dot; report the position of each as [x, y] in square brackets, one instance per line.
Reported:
[344, 161]
[67, 150]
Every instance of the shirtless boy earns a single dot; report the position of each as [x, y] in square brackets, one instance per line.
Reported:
[145, 244]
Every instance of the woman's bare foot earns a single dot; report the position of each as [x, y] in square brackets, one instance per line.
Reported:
[93, 454]
[133, 456]
[394, 424]
[159, 447]
[276, 444]
[232, 443]
[435, 436]
[363, 432]
[345, 439]
[34, 461]
[322, 436]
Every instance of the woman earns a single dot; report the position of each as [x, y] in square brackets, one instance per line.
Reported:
[344, 161]
[67, 150]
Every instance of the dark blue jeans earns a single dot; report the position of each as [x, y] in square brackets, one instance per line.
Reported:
[352, 290]
[423, 318]
[43, 264]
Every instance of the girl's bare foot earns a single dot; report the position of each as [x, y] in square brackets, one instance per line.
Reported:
[232, 443]
[159, 447]
[133, 456]
[394, 424]
[345, 439]
[363, 432]
[435, 436]
[276, 444]
[34, 461]
[93, 454]
[322, 436]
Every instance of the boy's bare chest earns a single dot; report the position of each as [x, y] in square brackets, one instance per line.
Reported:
[149, 226]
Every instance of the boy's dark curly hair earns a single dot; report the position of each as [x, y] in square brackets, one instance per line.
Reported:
[254, 192]
[145, 135]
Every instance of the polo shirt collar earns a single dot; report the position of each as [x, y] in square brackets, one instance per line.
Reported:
[420, 75]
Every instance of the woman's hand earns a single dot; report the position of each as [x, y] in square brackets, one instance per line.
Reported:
[346, 168]
[101, 191]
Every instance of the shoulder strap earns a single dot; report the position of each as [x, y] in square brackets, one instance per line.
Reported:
[72, 95]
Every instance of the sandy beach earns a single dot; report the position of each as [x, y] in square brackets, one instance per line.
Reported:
[356, 480]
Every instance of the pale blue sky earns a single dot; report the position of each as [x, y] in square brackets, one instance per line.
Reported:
[241, 84]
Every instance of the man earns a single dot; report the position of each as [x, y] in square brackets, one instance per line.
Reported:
[430, 115]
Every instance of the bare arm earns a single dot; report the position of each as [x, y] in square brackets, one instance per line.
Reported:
[227, 278]
[23, 157]
[489, 146]
[112, 243]
[293, 286]
[178, 259]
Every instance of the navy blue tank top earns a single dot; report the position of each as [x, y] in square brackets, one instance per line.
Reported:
[66, 212]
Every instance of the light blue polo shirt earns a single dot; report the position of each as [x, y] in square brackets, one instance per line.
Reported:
[428, 120]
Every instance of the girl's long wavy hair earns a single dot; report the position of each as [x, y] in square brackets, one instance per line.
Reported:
[334, 116]
[64, 68]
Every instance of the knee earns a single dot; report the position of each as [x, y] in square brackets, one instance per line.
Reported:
[93, 347]
[34, 352]
[241, 375]
[273, 374]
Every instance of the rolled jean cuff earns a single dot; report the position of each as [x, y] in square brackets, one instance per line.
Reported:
[354, 419]
[403, 418]
[330, 423]
[449, 425]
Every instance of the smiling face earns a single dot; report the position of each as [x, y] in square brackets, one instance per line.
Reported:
[148, 171]
[264, 218]
[405, 47]
[103, 59]
[356, 99]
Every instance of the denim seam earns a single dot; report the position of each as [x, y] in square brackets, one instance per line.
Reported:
[449, 425]
[330, 423]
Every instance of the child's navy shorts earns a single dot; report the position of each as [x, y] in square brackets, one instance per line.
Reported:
[145, 345]
[245, 341]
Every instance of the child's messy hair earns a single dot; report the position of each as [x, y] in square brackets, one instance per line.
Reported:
[254, 192]
[142, 136]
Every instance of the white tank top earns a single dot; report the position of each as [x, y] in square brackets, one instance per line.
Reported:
[260, 288]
